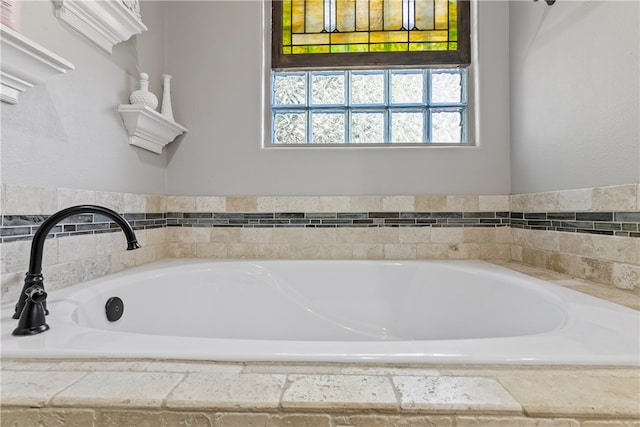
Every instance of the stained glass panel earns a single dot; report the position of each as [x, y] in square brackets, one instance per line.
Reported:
[371, 26]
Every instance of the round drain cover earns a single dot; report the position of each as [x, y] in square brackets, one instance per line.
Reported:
[114, 309]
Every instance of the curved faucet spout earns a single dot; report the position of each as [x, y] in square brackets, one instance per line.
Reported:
[34, 275]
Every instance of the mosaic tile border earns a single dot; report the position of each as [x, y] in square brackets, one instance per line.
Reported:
[623, 224]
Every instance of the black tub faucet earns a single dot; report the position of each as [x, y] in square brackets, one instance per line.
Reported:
[31, 307]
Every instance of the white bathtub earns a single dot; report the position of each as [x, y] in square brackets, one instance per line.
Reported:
[332, 311]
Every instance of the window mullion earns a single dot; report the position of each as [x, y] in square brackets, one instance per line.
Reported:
[308, 107]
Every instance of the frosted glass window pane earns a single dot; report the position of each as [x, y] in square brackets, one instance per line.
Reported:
[367, 128]
[367, 88]
[446, 87]
[406, 88]
[406, 127]
[327, 128]
[446, 127]
[327, 89]
[289, 90]
[289, 128]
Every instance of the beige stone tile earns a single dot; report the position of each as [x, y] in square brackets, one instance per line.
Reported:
[110, 200]
[74, 248]
[493, 203]
[136, 203]
[71, 197]
[100, 365]
[227, 391]
[48, 417]
[575, 200]
[25, 200]
[464, 251]
[334, 203]
[484, 421]
[181, 204]
[107, 243]
[534, 257]
[118, 389]
[211, 204]
[638, 197]
[414, 234]
[224, 235]
[291, 368]
[626, 276]
[504, 235]
[615, 198]
[465, 203]
[151, 419]
[25, 365]
[610, 423]
[388, 370]
[188, 367]
[188, 234]
[271, 420]
[368, 251]
[155, 236]
[567, 395]
[256, 235]
[479, 234]
[34, 389]
[368, 235]
[181, 250]
[449, 394]
[491, 251]
[123, 260]
[398, 203]
[447, 235]
[366, 203]
[430, 203]
[211, 250]
[16, 254]
[376, 420]
[272, 204]
[432, 250]
[620, 249]
[544, 202]
[303, 203]
[339, 392]
[400, 251]
[243, 250]
[156, 203]
[594, 270]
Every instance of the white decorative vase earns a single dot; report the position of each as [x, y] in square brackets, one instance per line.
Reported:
[166, 109]
[142, 95]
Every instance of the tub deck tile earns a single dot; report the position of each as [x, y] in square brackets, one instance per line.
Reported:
[445, 394]
[34, 389]
[119, 390]
[228, 391]
[576, 395]
[339, 392]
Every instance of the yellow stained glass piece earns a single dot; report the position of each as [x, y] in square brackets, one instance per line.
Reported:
[323, 26]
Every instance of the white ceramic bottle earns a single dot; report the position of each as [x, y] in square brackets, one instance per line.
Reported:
[143, 95]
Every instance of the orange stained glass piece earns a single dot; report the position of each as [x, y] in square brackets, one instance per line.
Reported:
[368, 25]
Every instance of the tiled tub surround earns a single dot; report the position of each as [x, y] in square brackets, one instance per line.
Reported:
[169, 393]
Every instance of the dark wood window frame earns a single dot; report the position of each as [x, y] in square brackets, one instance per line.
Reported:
[371, 60]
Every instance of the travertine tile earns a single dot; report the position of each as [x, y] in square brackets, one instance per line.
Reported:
[70, 197]
[339, 392]
[25, 365]
[113, 201]
[575, 200]
[74, 248]
[334, 203]
[414, 234]
[568, 395]
[447, 394]
[626, 276]
[135, 203]
[25, 200]
[610, 423]
[181, 204]
[48, 417]
[431, 203]
[156, 203]
[227, 391]
[34, 389]
[484, 421]
[493, 203]
[272, 204]
[593, 269]
[464, 203]
[399, 251]
[398, 203]
[366, 203]
[256, 235]
[106, 365]
[211, 204]
[242, 204]
[184, 367]
[615, 198]
[447, 235]
[118, 389]
[269, 420]
[376, 420]
[151, 419]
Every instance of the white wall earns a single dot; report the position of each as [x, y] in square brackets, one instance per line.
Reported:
[67, 132]
[575, 94]
[215, 55]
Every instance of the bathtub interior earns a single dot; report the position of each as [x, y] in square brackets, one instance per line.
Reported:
[325, 301]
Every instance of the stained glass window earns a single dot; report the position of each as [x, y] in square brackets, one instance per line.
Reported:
[354, 33]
